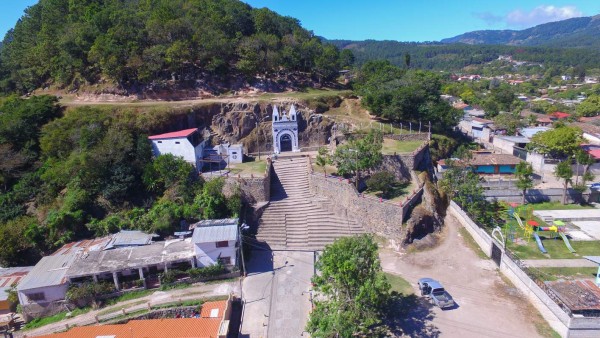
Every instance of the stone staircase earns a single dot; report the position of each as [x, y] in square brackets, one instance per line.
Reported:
[295, 219]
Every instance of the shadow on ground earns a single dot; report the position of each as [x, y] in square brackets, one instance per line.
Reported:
[411, 316]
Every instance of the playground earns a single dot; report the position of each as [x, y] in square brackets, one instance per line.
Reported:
[555, 245]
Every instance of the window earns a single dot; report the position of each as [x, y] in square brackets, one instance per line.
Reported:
[177, 142]
[158, 141]
[225, 260]
[222, 244]
[36, 297]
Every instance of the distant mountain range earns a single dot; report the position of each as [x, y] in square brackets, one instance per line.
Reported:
[577, 32]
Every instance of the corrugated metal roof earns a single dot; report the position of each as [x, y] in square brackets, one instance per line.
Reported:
[49, 271]
[175, 134]
[215, 233]
[155, 328]
[130, 237]
[214, 222]
[10, 277]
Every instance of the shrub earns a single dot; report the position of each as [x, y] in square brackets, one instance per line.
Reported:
[382, 181]
[208, 271]
[83, 295]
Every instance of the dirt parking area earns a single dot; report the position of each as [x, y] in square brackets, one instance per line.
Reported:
[486, 305]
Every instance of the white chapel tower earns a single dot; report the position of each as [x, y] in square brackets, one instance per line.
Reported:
[285, 130]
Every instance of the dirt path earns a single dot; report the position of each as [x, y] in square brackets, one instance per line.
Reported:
[487, 306]
[159, 297]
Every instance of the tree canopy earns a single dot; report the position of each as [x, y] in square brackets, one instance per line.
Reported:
[560, 142]
[355, 290]
[590, 106]
[133, 43]
[403, 95]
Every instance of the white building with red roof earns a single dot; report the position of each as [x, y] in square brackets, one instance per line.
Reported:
[188, 144]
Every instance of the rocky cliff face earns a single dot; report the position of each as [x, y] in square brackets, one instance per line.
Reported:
[237, 122]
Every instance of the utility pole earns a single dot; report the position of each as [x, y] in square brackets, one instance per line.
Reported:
[257, 141]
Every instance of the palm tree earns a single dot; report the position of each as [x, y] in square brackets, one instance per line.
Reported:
[564, 171]
[524, 173]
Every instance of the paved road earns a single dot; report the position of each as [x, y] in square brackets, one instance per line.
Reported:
[276, 294]
[487, 306]
[562, 263]
[198, 291]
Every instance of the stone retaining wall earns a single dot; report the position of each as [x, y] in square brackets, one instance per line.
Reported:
[409, 137]
[559, 320]
[376, 216]
[254, 189]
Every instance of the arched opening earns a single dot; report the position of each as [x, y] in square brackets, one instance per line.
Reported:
[285, 143]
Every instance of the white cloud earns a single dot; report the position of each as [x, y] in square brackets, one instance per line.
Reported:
[541, 14]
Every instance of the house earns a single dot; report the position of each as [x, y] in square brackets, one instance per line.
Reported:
[233, 152]
[212, 321]
[10, 277]
[514, 145]
[480, 128]
[188, 144]
[216, 241]
[590, 132]
[487, 163]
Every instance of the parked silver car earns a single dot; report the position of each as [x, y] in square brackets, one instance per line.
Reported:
[436, 292]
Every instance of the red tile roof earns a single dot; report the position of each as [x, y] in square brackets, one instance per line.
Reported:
[203, 327]
[175, 134]
[560, 115]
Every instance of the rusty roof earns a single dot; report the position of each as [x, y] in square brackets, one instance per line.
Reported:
[10, 277]
[494, 159]
[577, 295]
[203, 327]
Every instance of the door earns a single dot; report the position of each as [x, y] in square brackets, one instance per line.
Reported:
[496, 254]
[285, 142]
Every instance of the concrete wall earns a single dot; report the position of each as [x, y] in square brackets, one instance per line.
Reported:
[179, 147]
[536, 195]
[505, 146]
[376, 216]
[537, 161]
[559, 320]
[208, 253]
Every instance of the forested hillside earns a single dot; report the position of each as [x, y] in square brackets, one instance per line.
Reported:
[575, 32]
[453, 57]
[145, 43]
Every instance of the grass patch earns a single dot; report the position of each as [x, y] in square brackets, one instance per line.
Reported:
[559, 206]
[252, 167]
[39, 322]
[115, 309]
[397, 192]
[391, 147]
[309, 93]
[556, 248]
[470, 242]
[552, 274]
[330, 169]
[129, 296]
[399, 284]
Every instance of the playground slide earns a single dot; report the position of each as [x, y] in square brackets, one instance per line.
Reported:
[539, 243]
[566, 240]
[518, 220]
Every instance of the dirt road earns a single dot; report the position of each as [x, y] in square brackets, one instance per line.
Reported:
[487, 306]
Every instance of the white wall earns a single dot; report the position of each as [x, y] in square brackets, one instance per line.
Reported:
[179, 147]
[504, 145]
[236, 153]
[208, 253]
[52, 293]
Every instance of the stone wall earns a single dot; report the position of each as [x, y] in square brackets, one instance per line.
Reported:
[254, 189]
[376, 216]
[559, 320]
[401, 165]
[409, 137]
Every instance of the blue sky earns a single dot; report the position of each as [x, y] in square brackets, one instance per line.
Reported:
[420, 20]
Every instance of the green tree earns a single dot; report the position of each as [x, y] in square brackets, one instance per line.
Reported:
[359, 154]
[524, 173]
[509, 121]
[590, 106]
[560, 142]
[582, 158]
[212, 202]
[323, 159]
[564, 171]
[17, 249]
[382, 181]
[354, 289]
